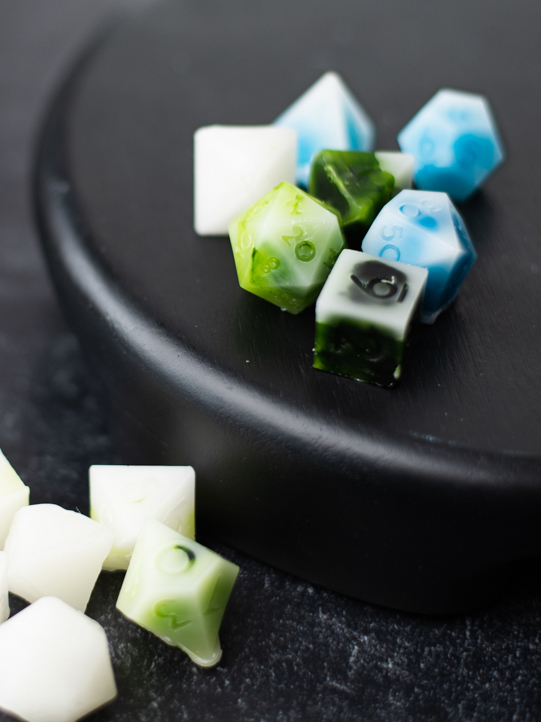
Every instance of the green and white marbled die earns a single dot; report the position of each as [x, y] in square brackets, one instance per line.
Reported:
[178, 589]
[366, 317]
[285, 246]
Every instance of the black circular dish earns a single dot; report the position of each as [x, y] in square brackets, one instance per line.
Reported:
[426, 497]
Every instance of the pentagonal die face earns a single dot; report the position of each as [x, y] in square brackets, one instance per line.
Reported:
[178, 589]
[285, 246]
[424, 229]
[455, 142]
[327, 115]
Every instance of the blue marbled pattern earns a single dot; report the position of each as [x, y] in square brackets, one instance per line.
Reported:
[327, 117]
[455, 142]
[423, 228]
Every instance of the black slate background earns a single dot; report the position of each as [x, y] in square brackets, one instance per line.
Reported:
[291, 651]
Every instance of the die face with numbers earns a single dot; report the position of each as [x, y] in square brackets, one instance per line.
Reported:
[354, 184]
[178, 589]
[327, 115]
[423, 228]
[285, 246]
[455, 141]
[366, 317]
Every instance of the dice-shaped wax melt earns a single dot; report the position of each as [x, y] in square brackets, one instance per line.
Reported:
[124, 497]
[285, 246]
[353, 183]
[327, 115]
[367, 316]
[178, 589]
[234, 166]
[55, 552]
[423, 228]
[455, 141]
[54, 664]
[14, 494]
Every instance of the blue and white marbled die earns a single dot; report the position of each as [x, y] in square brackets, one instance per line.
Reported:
[423, 228]
[455, 142]
[327, 116]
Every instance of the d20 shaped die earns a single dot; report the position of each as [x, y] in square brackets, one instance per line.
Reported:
[55, 552]
[124, 497]
[327, 115]
[455, 142]
[366, 317]
[178, 589]
[353, 183]
[233, 167]
[54, 664]
[13, 495]
[285, 246]
[425, 229]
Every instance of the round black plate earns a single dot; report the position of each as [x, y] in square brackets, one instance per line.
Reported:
[426, 497]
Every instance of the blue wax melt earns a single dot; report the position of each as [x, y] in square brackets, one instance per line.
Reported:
[327, 116]
[423, 228]
[455, 142]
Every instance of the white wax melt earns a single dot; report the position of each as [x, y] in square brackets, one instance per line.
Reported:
[13, 495]
[54, 664]
[399, 165]
[55, 552]
[124, 497]
[4, 592]
[234, 166]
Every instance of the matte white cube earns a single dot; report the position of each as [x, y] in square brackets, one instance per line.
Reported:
[399, 165]
[14, 494]
[55, 552]
[124, 497]
[234, 166]
[4, 592]
[54, 664]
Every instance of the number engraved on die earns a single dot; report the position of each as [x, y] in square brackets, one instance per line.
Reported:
[389, 233]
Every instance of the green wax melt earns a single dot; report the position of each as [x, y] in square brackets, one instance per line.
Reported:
[353, 183]
[178, 589]
[285, 246]
[367, 316]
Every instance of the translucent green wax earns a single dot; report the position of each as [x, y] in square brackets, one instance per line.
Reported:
[285, 246]
[353, 183]
[178, 589]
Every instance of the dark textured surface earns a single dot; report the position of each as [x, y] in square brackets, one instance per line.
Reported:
[292, 651]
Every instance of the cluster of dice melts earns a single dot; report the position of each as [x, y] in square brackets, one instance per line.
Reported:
[296, 248]
[54, 660]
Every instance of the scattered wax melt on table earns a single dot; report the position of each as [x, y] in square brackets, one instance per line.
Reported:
[327, 115]
[55, 664]
[353, 183]
[124, 497]
[4, 591]
[367, 316]
[423, 228]
[55, 552]
[233, 167]
[178, 589]
[455, 141]
[285, 246]
[14, 494]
